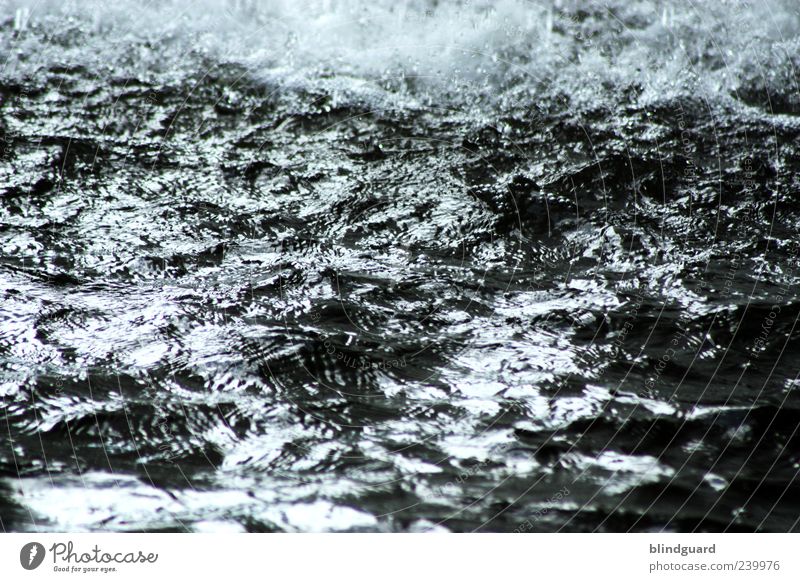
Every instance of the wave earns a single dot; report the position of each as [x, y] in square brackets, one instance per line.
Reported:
[503, 52]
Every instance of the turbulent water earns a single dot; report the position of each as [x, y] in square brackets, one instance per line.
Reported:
[381, 266]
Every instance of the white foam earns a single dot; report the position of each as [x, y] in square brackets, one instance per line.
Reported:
[468, 48]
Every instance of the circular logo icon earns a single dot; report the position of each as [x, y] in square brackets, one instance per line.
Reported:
[31, 555]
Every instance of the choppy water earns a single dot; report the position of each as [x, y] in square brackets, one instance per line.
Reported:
[366, 266]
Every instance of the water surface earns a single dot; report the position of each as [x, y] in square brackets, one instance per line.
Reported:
[378, 266]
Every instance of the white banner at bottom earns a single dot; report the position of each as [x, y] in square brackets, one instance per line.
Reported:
[388, 557]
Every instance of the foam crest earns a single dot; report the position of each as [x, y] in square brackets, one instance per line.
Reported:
[588, 50]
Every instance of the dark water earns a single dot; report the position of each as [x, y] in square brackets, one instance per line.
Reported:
[276, 278]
